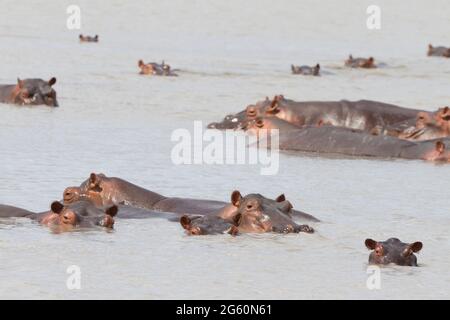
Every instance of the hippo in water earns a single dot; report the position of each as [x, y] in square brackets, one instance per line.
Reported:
[105, 191]
[154, 68]
[88, 38]
[306, 70]
[393, 251]
[352, 142]
[360, 62]
[253, 213]
[363, 114]
[438, 51]
[60, 218]
[29, 92]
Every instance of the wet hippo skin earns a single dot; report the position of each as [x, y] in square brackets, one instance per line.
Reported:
[29, 92]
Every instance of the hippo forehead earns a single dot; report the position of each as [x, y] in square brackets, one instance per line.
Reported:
[37, 85]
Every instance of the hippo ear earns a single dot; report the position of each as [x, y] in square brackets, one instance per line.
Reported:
[93, 178]
[273, 108]
[20, 83]
[413, 247]
[318, 66]
[233, 231]
[430, 46]
[52, 81]
[440, 146]
[140, 63]
[185, 222]
[236, 198]
[370, 244]
[80, 36]
[237, 219]
[280, 198]
[112, 211]
[57, 207]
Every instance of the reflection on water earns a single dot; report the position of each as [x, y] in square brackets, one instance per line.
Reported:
[114, 121]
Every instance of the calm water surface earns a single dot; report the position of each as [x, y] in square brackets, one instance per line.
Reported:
[231, 54]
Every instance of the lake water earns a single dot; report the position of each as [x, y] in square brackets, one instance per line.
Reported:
[231, 54]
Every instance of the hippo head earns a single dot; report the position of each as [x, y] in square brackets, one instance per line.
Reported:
[316, 69]
[257, 214]
[239, 120]
[35, 92]
[81, 214]
[393, 251]
[205, 225]
[145, 68]
[98, 189]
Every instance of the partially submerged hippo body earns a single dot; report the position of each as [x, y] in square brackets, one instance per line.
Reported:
[29, 92]
[363, 114]
[88, 38]
[393, 251]
[306, 70]
[368, 63]
[253, 213]
[106, 191]
[157, 69]
[61, 218]
[438, 51]
[351, 142]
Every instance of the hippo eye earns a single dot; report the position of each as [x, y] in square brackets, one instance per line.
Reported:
[249, 206]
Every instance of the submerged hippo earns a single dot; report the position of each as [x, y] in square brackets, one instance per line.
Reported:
[106, 191]
[363, 114]
[438, 51]
[253, 213]
[154, 68]
[60, 218]
[393, 251]
[306, 70]
[351, 142]
[29, 92]
[360, 62]
[88, 38]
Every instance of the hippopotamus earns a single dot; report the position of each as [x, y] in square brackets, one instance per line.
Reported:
[80, 214]
[438, 51]
[352, 142]
[393, 251]
[360, 62]
[154, 68]
[253, 213]
[88, 38]
[105, 191]
[29, 92]
[363, 114]
[306, 70]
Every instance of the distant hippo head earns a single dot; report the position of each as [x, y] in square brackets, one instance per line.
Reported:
[35, 92]
[98, 189]
[146, 68]
[205, 225]
[88, 38]
[393, 251]
[81, 214]
[258, 214]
